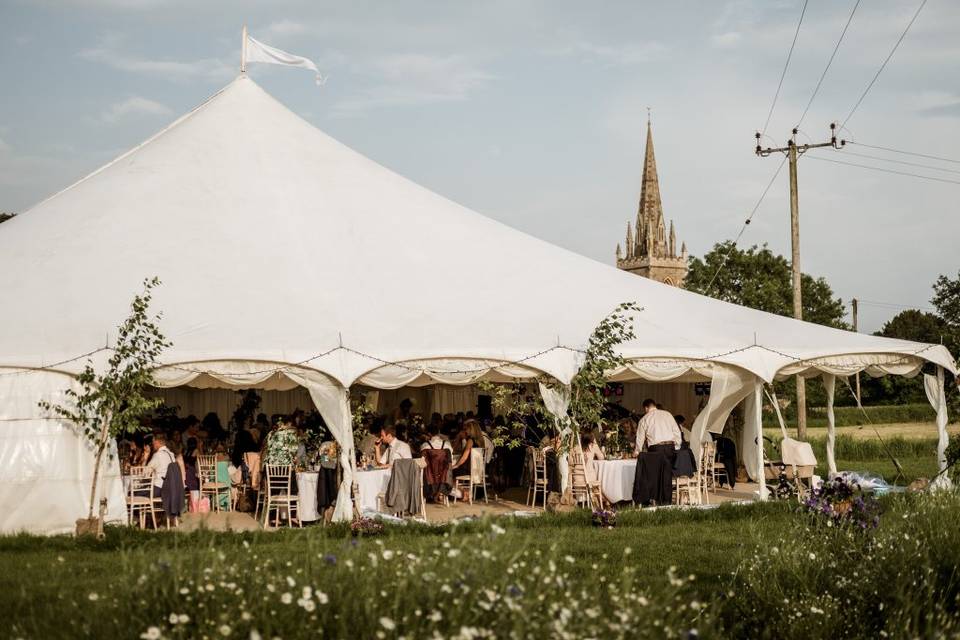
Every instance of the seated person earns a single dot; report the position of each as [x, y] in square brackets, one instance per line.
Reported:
[468, 437]
[591, 453]
[390, 448]
[684, 432]
[369, 442]
[435, 440]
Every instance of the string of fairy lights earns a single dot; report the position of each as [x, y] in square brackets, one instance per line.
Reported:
[500, 364]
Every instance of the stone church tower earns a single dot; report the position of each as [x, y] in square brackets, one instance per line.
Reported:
[650, 251]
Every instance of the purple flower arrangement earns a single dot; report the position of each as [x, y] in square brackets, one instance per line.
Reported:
[366, 527]
[605, 518]
[841, 503]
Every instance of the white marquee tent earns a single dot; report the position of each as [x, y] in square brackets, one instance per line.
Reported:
[289, 259]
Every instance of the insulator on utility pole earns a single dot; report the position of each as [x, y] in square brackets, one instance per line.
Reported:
[793, 152]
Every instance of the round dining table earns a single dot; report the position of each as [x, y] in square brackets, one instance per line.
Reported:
[307, 489]
[370, 484]
[616, 479]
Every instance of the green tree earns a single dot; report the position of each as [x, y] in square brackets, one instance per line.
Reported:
[587, 399]
[946, 299]
[760, 279]
[914, 325]
[112, 402]
[6, 216]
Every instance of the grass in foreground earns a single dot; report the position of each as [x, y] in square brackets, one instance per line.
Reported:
[760, 571]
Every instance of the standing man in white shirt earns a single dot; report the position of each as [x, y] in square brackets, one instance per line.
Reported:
[161, 459]
[658, 431]
[659, 434]
[390, 448]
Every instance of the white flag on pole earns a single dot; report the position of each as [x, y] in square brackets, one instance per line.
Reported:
[256, 51]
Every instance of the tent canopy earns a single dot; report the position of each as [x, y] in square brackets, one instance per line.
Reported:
[277, 244]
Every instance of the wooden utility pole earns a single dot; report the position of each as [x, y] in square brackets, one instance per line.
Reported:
[854, 306]
[793, 152]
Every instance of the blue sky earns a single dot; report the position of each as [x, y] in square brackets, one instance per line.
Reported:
[534, 112]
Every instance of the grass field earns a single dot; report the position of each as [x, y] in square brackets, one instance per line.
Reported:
[657, 574]
[755, 570]
[137, 578]
[913, 445]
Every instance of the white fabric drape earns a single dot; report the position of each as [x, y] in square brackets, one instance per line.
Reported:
[556, 400]
[728, 387]
[874, 364]
[451, 399]
[371, 400]
[452, 371]
[663, 370]
[934, 386]
[223, 402]
[829, 385]
[751, 437]
[331, 399]
[46, 464]
[753, 423]
[333, 403]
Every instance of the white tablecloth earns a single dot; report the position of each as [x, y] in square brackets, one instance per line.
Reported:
[616, 478]
[307, 488]
[369, 485]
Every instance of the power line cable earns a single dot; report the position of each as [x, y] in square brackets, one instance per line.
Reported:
[906, 153]
[909, 164]
[892, 305]
[744, 226]
[833, 55]
[785, 66]
[883, 66]
[900, 173]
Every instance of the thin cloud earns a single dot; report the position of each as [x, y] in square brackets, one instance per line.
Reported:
[938, 104]
[282, 28]
[108, 53]
[611, 55]
[727, 39]
[132, 107]
[412, 79]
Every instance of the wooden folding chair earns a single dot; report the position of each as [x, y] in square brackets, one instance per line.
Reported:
[382, 497]
[537, 460]
[579, 487]
[210, 486]
[140, 499]
[280, 496]
[477, 479]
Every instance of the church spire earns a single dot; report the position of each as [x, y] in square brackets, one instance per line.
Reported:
[651, 244]
[651, 208]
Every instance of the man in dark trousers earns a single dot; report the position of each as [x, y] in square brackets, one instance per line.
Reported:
[659, 436]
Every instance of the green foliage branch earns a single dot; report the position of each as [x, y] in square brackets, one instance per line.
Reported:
[112, 402]
[587, 398]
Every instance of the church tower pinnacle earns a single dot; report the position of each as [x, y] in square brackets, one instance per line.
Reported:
[652, 252]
